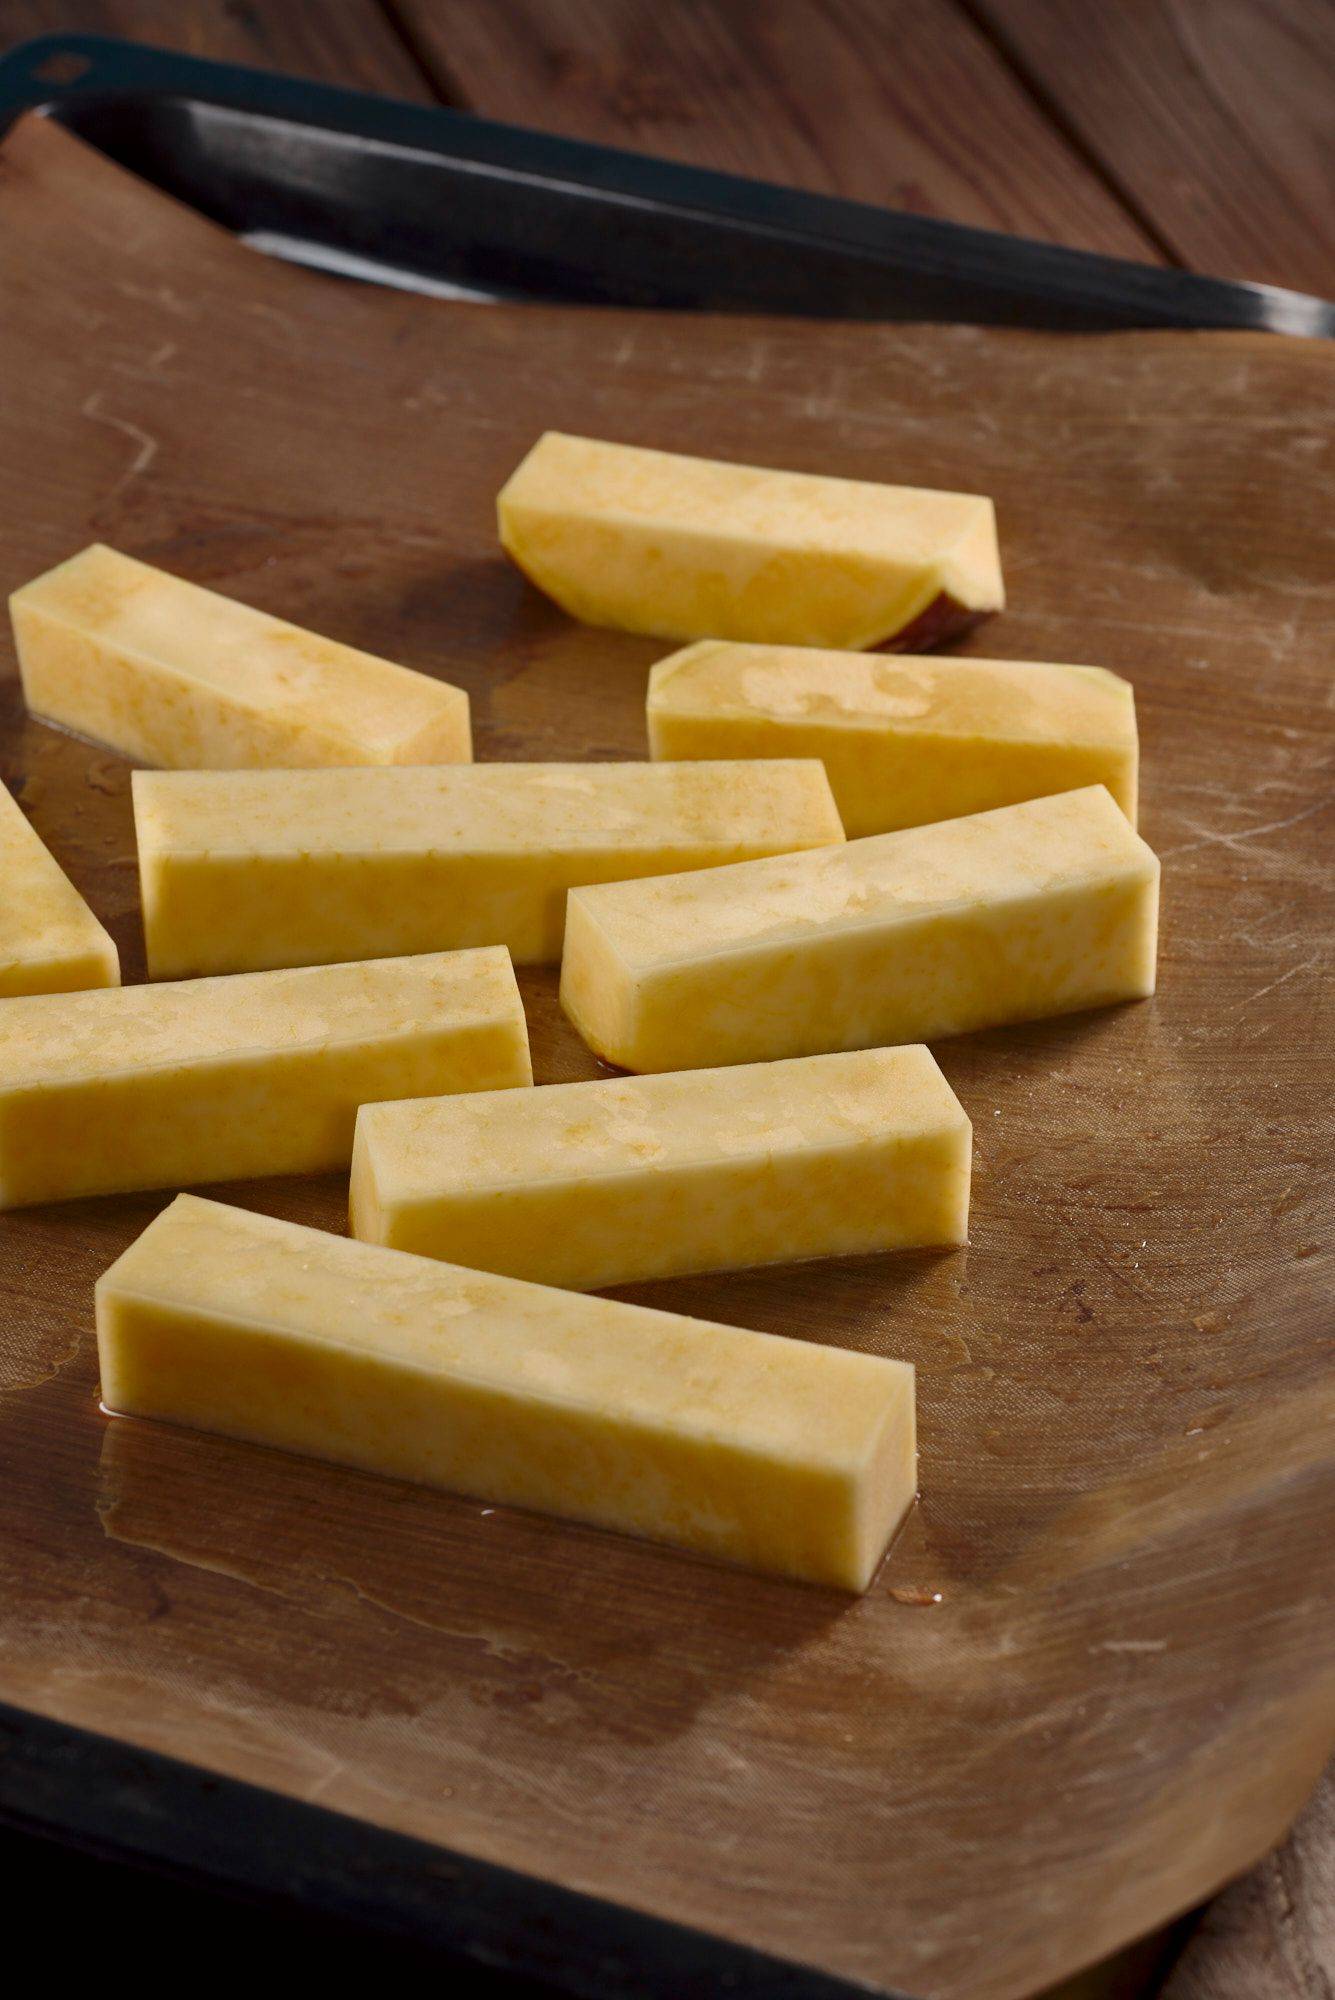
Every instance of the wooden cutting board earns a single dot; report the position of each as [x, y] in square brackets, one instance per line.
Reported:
[1093, 1678]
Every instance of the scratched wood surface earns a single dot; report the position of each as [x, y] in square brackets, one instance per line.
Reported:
[1125, 1399]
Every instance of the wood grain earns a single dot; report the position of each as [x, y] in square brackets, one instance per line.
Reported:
[352, 42]
[1125, 1397]
[905, 103]
[1215, 118]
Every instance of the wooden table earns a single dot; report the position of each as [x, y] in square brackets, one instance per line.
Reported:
[1191, 133]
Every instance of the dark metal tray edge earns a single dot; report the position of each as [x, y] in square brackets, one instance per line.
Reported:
[125, 1804]
[498, 211]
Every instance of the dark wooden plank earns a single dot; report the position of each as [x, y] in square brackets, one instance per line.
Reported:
[1216, 118]
[905, 103]
[352, 42]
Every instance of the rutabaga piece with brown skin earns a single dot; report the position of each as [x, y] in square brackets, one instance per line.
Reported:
[245, 869]
[169, 673]
[50, 941]
[221, 1079]
[782, 1455]
[1035, 909]
[692, 548]
[904, 742]
[606, 1183]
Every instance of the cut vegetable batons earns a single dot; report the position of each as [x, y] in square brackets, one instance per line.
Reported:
[221, 1079]
[904, 741]
[691, 548]
[1036, 909]
[605, 1183]
[781, 1455]
[245, 869]
[50, 941]
[171, 674]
